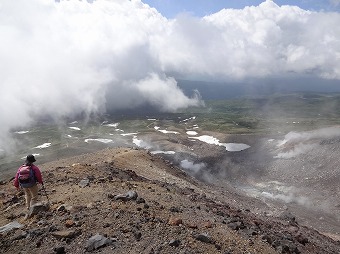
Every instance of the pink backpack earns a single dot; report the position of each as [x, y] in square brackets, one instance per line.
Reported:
[26, 176]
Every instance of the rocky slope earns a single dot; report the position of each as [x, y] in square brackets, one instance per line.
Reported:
[126, 200]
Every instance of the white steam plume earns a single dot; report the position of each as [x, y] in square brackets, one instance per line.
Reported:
[195, 168]
[295, 151]
[289, 198]
[198, 170]
[296, 143]
[295, 137]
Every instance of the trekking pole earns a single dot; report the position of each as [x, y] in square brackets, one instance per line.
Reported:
[43, 187]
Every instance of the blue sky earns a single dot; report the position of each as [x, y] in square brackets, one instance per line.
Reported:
[171, 8]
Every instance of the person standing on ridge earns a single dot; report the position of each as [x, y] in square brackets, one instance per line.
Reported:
[27, 177]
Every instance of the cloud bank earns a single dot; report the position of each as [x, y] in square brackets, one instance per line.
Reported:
[70, 57]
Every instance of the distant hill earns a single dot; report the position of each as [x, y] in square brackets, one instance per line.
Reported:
[212, 90]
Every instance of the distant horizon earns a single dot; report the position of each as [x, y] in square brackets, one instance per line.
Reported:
[200, 8]
[228, 90]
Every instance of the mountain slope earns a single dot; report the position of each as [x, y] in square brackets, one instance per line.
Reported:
[135, 202]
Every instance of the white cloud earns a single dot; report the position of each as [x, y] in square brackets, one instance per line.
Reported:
[335, 2]
[161, 92]
[253, 42]
[70, 57]
[270, 40]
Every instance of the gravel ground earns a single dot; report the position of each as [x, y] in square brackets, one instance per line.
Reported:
[125, 200]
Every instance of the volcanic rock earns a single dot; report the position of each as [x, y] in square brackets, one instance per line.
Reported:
[65, 234]
[204, 238]
[37, 208]
[83, 183]
[10, 226]
[97, 241]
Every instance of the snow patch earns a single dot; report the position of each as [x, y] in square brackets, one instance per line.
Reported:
[75, 128]
[188, 119]
[192, 133]
[102, 140]
[115, 125]
[230, 147]
[167, 132]
[45, 145]
[128, 134]
[163, 152]
[21, 132]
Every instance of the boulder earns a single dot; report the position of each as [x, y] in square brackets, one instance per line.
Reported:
[174, 221]
[83, 183]
[174, 209]
[130, 195]
[37, 208]
[64, 208]
[59, 250]
[35, 232]
[236, 225]
[140, 200]
[10, 226]
[64, 234]
[97, 241]
[18, 235]
[137, 235]
[174, 243]
[204, 238]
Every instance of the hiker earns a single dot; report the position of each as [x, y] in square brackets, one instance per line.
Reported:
[27, 177]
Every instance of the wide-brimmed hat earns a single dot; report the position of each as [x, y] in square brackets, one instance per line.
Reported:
[30, 158]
